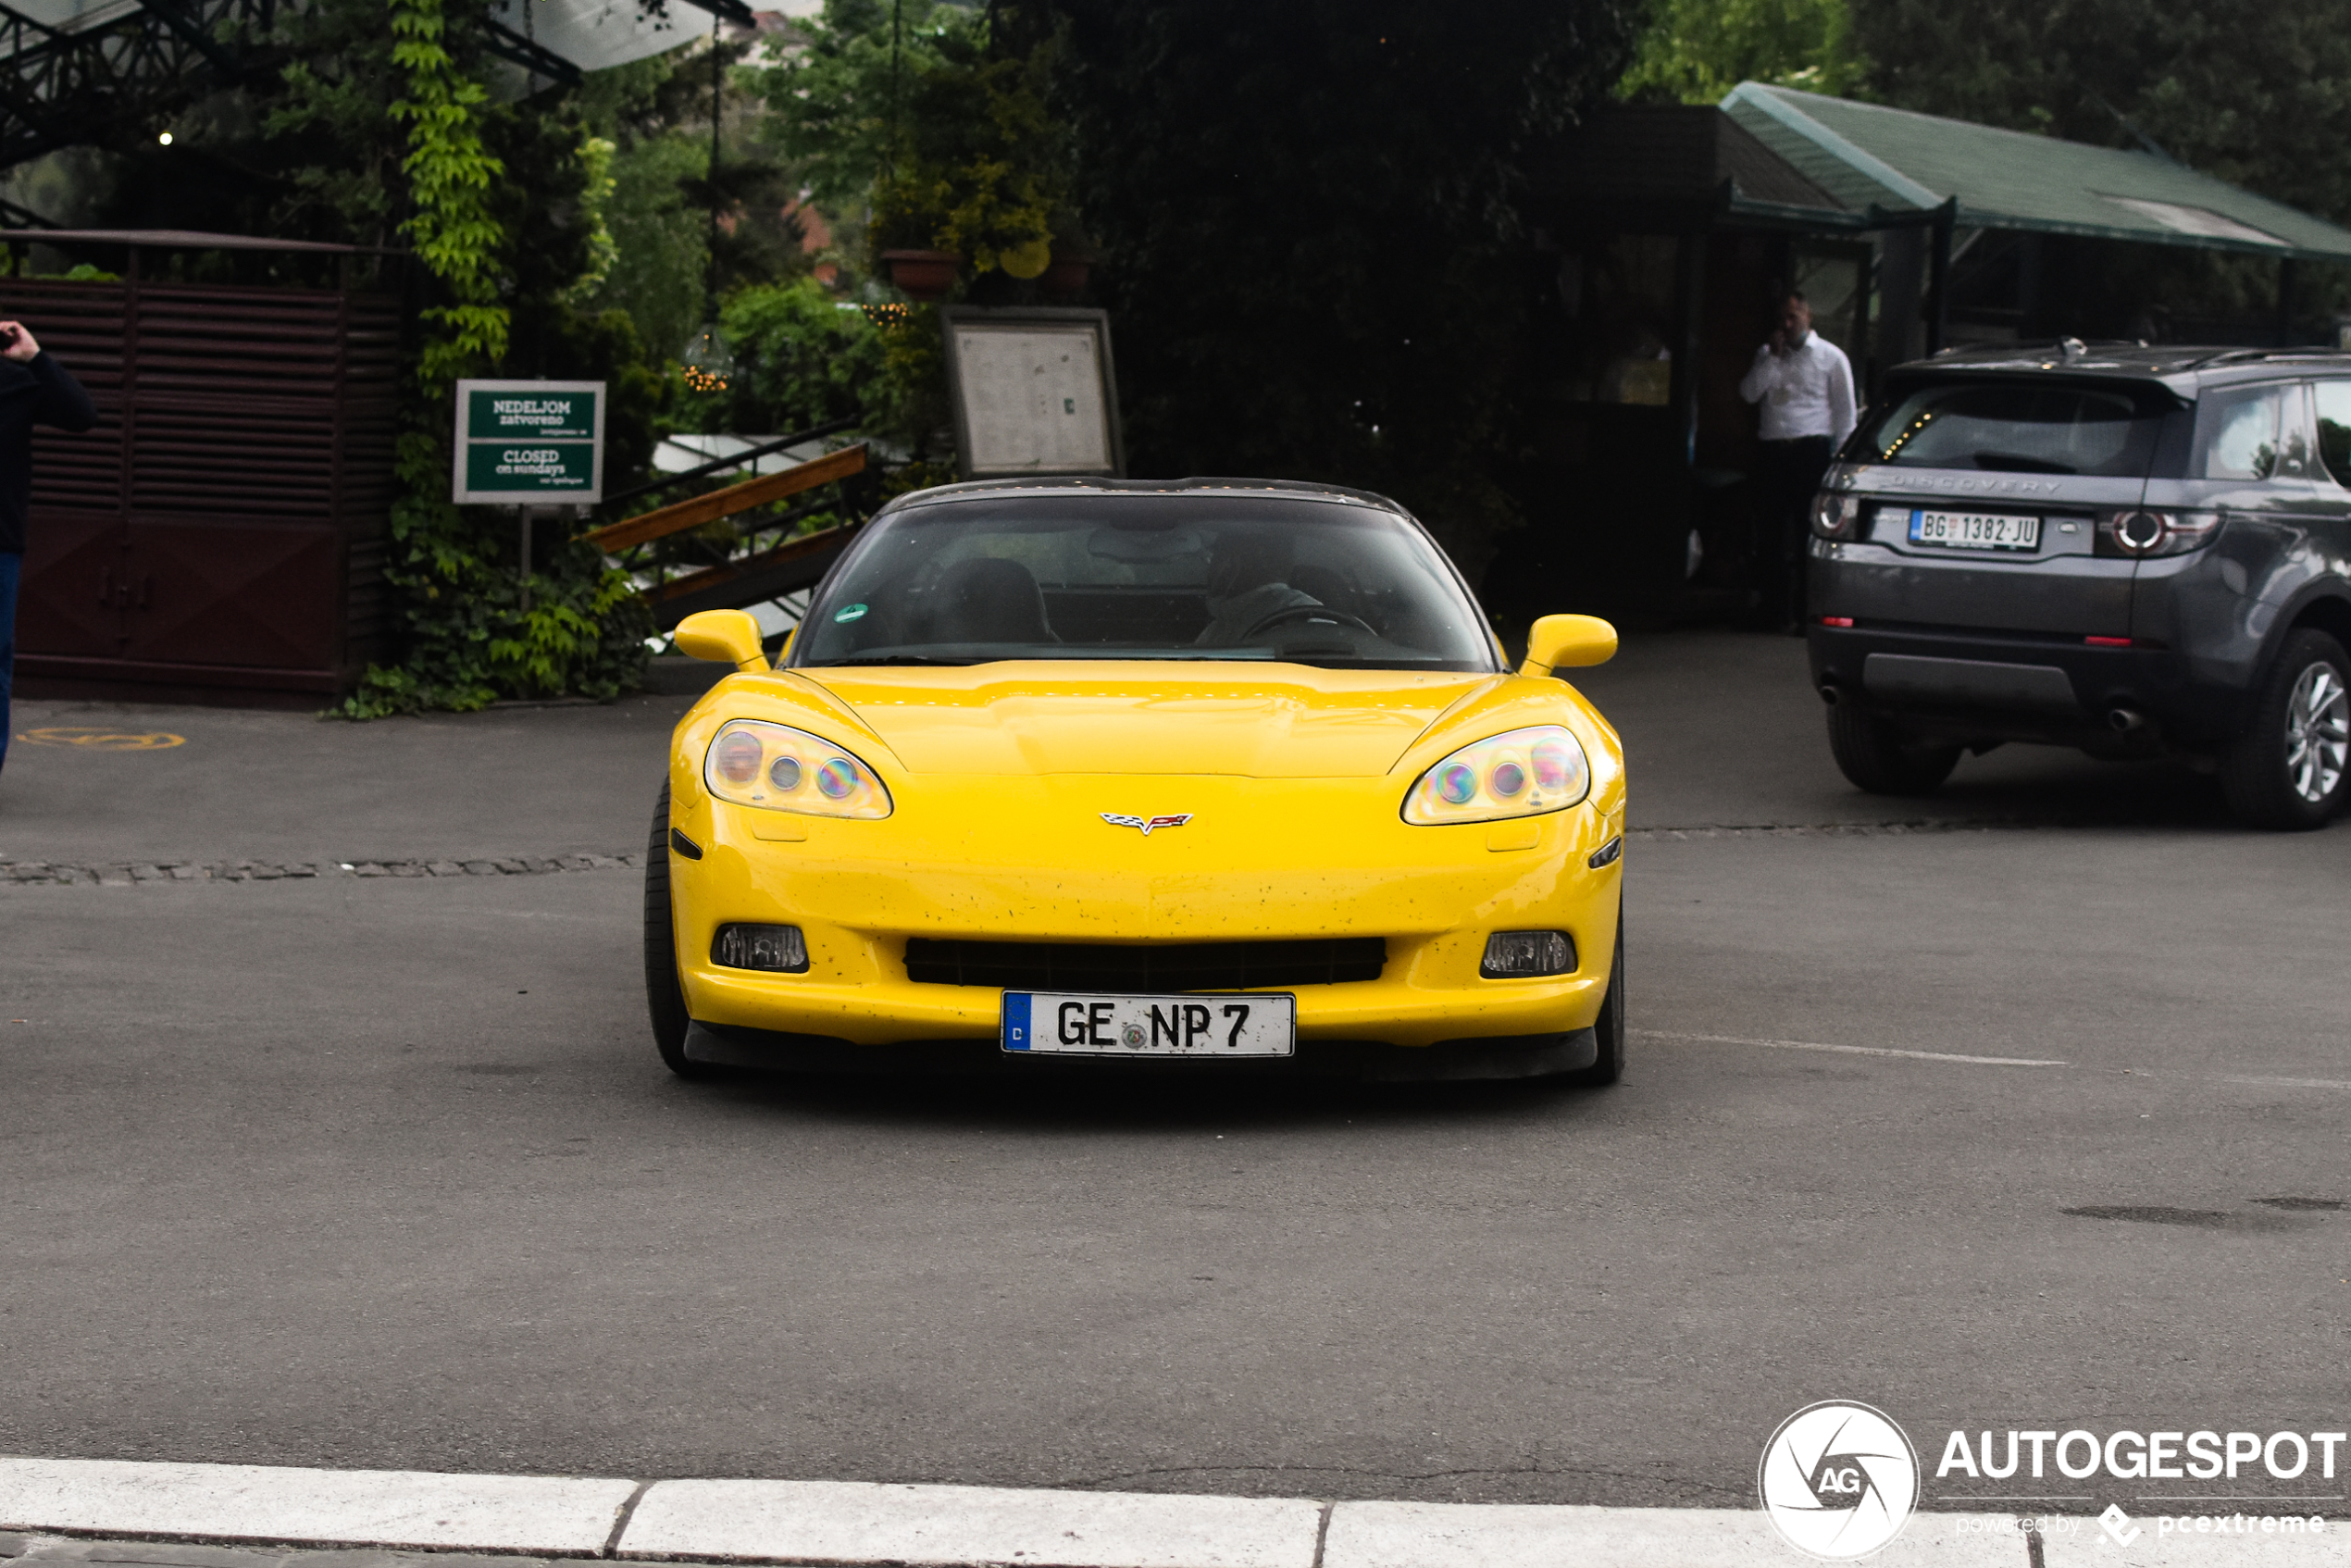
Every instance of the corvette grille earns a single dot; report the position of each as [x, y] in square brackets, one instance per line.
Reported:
[1144, 969]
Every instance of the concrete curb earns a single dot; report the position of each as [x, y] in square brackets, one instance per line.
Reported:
[246, 1503]
[851, 1521]
[124, 874]
[868, 1525]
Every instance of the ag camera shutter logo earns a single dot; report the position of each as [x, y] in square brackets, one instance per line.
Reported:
[1838, 1480]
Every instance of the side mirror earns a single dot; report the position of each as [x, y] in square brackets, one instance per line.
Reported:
[1568, 643]
[725, 637]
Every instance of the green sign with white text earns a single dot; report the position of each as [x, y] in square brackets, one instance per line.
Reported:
[530, 443]
[552, 470]
[504, 416]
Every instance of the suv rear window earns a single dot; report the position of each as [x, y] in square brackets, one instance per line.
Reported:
[2036, 428]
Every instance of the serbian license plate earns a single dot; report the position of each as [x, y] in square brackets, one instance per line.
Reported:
[1974, 530]
[1060, 1023]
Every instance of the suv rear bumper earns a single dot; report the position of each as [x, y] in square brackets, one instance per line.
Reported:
[1961, 687]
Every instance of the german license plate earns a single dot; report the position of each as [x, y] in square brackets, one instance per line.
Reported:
[1974, 530]
[1063, 1024]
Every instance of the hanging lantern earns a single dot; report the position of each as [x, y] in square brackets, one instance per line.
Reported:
[708, 363]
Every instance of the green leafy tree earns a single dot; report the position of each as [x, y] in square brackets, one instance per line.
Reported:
[919, 120]
[656, 113]
[2256, 95]
[660, 254]
[984, 169]
[803, 361]
[1694, 51]
[1314, 254]
[837, 96]
[450, 172]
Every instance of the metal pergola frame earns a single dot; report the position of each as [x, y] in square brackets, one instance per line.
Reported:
[116, 83]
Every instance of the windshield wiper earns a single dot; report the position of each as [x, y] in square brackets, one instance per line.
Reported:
[2015, 462]
[887, 659]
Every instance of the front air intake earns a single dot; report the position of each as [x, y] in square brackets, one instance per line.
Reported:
[1143, 968]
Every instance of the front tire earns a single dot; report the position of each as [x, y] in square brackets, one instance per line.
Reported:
[2288, 771]
[665, 997]
[1881, 759]
[1609, 1028]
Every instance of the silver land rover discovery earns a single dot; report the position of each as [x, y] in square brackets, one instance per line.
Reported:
[2132, 551]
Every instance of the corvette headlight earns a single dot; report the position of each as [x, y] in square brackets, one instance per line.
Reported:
[1523, 773]
[779, 769]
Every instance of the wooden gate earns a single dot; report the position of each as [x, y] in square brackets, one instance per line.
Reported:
[219, 535]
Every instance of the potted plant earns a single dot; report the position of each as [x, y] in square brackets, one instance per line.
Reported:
[1073, 258]
[924, 277]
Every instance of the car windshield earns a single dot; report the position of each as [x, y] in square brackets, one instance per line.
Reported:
[2035, 428]
[1191, 575]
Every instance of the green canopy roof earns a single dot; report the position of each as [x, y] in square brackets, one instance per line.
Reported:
[1866, 157]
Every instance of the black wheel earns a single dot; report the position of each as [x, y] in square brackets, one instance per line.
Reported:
[1881, 759]
[1609, 1028]
[2287, 771]
[665, 998]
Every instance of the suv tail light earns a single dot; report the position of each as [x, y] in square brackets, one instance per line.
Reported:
[2135, 533]
[1834, 516]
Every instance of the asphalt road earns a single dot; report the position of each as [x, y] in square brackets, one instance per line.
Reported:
[384, 1172]
[97, 783]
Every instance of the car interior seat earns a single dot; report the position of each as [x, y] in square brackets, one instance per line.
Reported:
[990, 599]
[1323, 584]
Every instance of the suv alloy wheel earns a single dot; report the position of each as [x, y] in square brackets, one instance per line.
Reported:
[2287, 770]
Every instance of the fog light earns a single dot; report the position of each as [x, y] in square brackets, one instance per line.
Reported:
[1516, 955]
[780, 949]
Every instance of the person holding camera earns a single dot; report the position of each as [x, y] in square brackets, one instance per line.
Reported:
[1804, 385]
[34, 390]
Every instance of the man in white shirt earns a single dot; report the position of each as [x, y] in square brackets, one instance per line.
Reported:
[1804, 386]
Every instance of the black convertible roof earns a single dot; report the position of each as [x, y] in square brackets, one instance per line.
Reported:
[1085, 483]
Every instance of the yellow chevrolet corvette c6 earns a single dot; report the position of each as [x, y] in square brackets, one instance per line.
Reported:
[1203, 773]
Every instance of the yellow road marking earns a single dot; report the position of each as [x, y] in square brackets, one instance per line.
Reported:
[100, 740]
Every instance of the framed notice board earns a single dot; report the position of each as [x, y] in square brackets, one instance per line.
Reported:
[1034, 392]
[530, 443]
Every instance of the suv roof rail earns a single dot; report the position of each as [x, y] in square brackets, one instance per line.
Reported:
[2252, 355]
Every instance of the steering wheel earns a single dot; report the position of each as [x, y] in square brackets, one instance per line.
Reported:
[1296, 612]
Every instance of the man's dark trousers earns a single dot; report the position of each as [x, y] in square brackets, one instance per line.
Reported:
[1787, 477]
[35, 392]
[11, 571]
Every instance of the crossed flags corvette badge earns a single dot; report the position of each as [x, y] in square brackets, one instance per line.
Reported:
[1147, 823]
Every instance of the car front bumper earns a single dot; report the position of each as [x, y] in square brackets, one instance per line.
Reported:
[1030, 859]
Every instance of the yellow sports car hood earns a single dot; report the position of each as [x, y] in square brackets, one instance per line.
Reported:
[1045, 716]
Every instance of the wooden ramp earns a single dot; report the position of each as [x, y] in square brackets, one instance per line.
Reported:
[754, 579]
